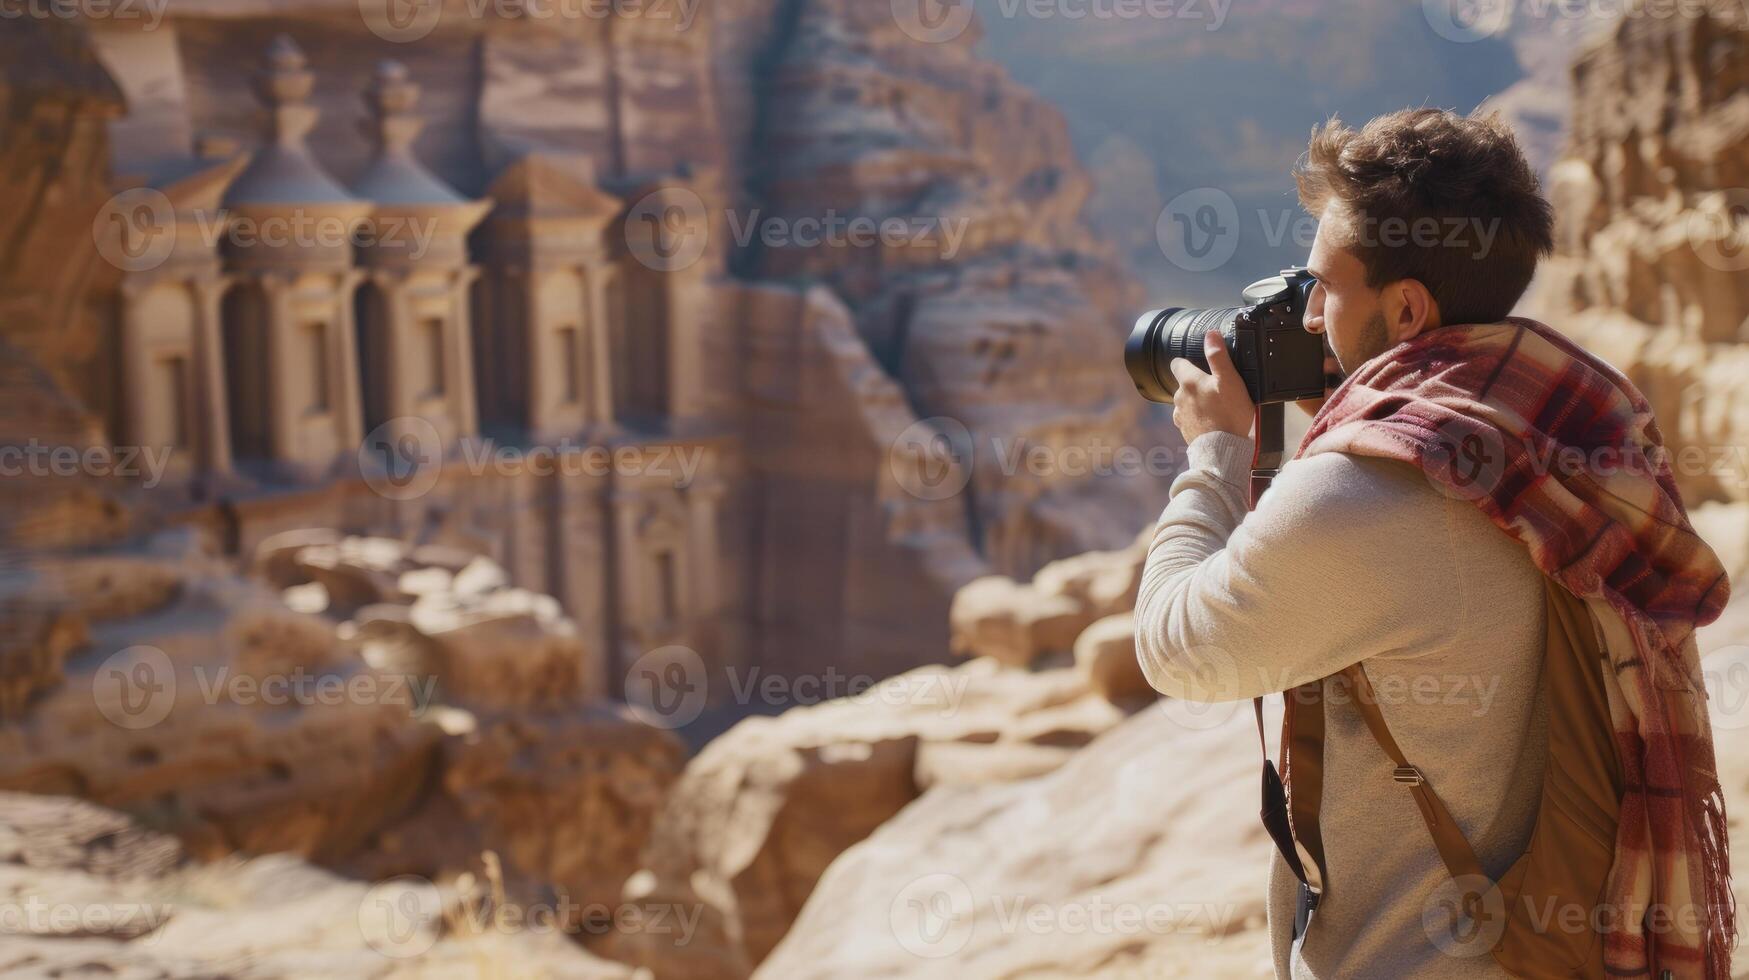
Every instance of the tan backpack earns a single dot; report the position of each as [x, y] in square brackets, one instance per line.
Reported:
[1544, 909]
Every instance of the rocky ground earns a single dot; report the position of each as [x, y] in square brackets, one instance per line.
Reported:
[1139, 858]
[89, 892]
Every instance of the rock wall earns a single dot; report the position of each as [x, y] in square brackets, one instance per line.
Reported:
[1653, 237]
[55, 102]
[993, 305]
[854, 562]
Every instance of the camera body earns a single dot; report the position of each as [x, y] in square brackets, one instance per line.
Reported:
[1278, 359]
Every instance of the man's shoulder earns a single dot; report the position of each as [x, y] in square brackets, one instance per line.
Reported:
[1392, 511]
[1338, 482]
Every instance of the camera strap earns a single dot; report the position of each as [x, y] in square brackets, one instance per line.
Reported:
[1266, 458]
[1291, 820]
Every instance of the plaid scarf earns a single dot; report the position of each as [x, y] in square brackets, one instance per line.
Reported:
[1562, 453]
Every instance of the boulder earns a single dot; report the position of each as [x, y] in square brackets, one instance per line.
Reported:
[201, 700]
[439, 612]
[1139, 857]
[505, 648]
[1105, 654]
[761, 811]
[1106, 581]
[566, 799]
[1017, 623]
[1014, 623]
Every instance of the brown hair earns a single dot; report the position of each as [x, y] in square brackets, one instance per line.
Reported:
[1429, 195]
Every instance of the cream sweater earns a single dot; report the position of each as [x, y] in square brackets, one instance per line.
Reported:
[1350, 559]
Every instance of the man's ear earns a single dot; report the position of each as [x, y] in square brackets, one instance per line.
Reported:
[1409, 309]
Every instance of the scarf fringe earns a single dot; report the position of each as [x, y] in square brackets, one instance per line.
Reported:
[1719, 934]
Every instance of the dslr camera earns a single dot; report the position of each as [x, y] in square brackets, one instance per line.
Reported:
[1278, 359]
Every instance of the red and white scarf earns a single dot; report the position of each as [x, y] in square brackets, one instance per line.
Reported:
[1563, 454]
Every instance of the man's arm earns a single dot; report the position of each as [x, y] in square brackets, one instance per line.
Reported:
[1344, 559]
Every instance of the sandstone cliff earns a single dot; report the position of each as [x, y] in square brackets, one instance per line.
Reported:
[1651, 232]
[997, 276]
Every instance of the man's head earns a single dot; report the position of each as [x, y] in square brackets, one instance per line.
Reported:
[1425, 218]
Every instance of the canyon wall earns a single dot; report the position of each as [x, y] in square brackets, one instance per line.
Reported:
[1653, 232]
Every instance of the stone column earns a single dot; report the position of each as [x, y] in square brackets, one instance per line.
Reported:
[133, 360]
[703, 499]
[278, 328]
[600, 334]
[351, 423]
[684, 312]
[630, 592]
[209, 369]
[397, 399]
[460, 366]
[538, 332]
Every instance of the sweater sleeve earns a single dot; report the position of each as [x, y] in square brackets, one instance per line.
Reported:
[1343, 560]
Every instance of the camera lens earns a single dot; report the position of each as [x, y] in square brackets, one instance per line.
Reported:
[1162, 335]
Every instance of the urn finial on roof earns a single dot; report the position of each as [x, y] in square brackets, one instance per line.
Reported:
[282, 171]
[395, 175]
[284, 87]
[391, 98]
[400, 186]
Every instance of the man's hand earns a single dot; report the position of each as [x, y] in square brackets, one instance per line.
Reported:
[1216, 402]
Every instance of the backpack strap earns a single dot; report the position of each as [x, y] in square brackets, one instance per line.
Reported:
[1454, 849]
[1302, 760]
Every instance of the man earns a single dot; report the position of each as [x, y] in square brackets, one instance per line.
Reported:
[1370, 550]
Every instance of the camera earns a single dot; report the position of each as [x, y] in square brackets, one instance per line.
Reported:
[1278, 359]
